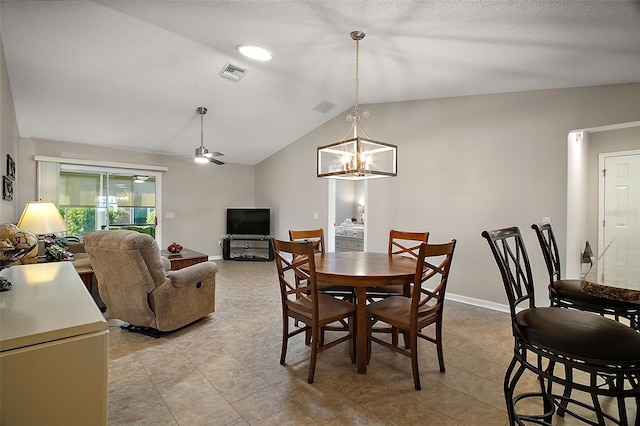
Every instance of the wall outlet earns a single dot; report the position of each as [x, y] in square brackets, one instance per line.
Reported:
[315, 215]
[220, 243]
[546, 219]
[170, 215]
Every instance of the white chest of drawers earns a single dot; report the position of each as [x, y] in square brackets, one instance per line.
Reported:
[53, 349]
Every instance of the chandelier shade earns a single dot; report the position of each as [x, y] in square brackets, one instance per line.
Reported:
[357, 157]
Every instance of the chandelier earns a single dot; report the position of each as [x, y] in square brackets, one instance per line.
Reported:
[357, 156]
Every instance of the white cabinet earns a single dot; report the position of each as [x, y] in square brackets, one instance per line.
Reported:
[349, 244]
[349, 238]
[53, 349]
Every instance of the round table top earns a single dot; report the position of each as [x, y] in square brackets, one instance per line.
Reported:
[364, 268]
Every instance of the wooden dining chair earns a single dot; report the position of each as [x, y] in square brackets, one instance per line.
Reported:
[316, 236]
[422, 309]
[579, 351]
[568, 293]
[401, 243]
[302, 302]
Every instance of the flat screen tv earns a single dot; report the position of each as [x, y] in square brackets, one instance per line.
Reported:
[248, 221]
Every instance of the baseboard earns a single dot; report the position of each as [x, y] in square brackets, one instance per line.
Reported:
[478, 302]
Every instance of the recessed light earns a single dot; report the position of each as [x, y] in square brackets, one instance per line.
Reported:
[254, 52]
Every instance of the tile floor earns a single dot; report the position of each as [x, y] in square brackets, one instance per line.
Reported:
[224, 369]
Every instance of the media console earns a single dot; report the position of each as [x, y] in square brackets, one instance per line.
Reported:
[247, 247]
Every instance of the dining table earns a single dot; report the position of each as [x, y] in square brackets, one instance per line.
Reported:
[362, 270]
[616, 273]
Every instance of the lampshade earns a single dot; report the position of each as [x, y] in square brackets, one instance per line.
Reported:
[358, 157]
[42, 218]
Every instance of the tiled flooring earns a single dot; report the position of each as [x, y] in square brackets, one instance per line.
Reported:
[224, 369]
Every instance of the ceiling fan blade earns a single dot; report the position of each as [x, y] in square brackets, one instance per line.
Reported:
[214, 161]
[213, 154]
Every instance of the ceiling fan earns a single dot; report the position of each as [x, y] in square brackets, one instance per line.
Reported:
[202, 154]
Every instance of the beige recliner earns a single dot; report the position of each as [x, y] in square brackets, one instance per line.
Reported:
[137, 288]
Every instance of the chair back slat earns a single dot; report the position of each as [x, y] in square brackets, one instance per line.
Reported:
[510, 254]
[296, 264]
[316, 236]
[430, 281]
[549, 247]
[406, 243]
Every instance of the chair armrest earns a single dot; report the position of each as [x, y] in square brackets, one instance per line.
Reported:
[166, 263]
[192, 274]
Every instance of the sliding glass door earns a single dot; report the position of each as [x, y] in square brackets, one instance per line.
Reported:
[93, 198]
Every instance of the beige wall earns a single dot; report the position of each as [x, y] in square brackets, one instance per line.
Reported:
[9, 210]
[465, 164]
[198, 194]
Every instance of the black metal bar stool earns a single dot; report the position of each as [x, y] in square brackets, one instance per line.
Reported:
[568, 293]
[600, 357]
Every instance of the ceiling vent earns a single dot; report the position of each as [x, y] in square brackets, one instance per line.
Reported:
[233, 72]
[324, 106]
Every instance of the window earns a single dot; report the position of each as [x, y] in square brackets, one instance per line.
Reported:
[94, 195]
[92, 199]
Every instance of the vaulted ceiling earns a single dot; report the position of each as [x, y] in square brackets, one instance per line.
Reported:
[130, 74]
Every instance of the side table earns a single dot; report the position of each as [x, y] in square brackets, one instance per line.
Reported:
[185, 258]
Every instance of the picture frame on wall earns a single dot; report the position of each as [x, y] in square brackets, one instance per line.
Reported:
[11, 168]
[7, 188]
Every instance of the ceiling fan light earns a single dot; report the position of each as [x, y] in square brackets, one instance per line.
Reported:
[201, 153]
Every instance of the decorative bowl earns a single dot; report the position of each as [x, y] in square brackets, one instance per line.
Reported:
[174, 248]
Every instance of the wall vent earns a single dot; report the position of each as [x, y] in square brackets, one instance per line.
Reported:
[232, 72]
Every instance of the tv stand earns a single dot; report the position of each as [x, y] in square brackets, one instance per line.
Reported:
[247, 247]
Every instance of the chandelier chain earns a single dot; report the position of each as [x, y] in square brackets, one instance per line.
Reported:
[357, 74]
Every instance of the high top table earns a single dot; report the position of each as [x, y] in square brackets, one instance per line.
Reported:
[362, 270]
[616, 274]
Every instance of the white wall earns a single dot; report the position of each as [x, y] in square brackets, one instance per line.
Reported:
[465, 165]
[9, 210]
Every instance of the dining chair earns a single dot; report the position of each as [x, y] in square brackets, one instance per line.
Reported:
[401, 243]
[316, 236]
[568, 293]
[295, 265]
[422, 309]
[599, 357]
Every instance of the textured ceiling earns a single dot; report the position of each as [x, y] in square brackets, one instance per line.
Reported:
[132, 73]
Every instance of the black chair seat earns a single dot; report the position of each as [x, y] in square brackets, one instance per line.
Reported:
[580, 334]
[571, 290]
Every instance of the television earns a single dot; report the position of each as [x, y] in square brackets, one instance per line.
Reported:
[249, 221]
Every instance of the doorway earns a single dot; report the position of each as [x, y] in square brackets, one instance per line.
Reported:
[619, 200]
[347, 215]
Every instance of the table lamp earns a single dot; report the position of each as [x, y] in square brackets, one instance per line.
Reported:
[42, 218]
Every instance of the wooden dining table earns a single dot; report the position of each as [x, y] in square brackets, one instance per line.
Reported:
[616, 273]
[362, 270]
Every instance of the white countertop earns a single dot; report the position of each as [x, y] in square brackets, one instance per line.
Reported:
[47, 302]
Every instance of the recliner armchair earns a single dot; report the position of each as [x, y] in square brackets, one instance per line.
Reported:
[137, 288]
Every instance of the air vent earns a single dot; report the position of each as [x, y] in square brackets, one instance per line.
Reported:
[233, 72]
[324, 106]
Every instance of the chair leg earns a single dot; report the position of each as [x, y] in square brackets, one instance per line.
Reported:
[352, 341]
[285, 339]
[439, 344]
[414, 360]
[315, 342]
[510, 386]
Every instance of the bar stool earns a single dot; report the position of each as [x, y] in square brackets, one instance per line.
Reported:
[599, 356]
[568, 293]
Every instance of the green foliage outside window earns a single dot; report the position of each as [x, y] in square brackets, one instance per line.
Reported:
[81, 221]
